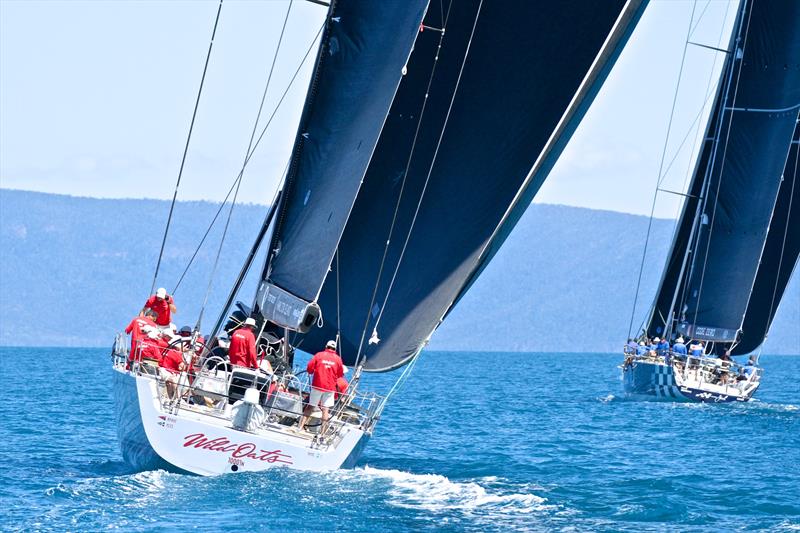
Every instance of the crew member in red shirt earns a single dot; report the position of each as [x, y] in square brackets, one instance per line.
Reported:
[243, 345]
[326, 367]
[170, 367]
[341, 387]
[199, 345]
[163, 304]
[142, 344]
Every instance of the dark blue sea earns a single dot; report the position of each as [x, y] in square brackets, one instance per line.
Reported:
[473, 441]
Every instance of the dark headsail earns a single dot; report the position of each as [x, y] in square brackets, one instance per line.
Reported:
[737, 197]
[781, 253]
[361, 58]
[509, 87]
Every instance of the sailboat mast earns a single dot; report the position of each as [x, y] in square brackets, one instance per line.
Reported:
[698, 223]
[695, 197]
[245, 267]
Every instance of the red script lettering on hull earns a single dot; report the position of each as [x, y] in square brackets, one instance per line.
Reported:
[246, 450]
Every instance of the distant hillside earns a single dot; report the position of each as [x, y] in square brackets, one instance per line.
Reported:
[75, 270]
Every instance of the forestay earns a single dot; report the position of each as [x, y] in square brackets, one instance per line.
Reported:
[509, 88]
[715, 257]
[359, 66]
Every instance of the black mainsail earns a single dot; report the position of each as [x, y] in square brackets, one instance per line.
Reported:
[360, 62]
[735, 245]
[477, 123]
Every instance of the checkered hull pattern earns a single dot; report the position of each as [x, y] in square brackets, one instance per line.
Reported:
[651, 381]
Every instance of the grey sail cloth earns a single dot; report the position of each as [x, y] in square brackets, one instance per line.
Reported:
[739, 179]
[522, 74]
[359, 66]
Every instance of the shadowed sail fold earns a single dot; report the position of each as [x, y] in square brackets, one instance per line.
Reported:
[478, 121]
[735, 245]
[359, 66]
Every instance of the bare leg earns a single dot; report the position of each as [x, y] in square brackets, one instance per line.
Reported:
[325, 417]
[307, 410]
[170, 389]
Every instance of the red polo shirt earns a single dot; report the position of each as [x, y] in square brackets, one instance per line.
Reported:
[161, 307]
[243, 348]
[326, 366]
[171, 360]
[139, 338]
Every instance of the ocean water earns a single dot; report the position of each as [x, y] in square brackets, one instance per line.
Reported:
[472, 442]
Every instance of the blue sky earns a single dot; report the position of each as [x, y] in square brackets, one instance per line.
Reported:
[96, 99]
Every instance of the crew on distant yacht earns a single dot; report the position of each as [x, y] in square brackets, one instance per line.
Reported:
[631, 347]
[651, 347]
[641, 349]
[662, 346]
[164, 305]
[696, 349]
[679, 348]
[243, 345]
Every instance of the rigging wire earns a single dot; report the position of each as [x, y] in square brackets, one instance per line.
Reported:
[402, 186]
[430, 168]
[400, 380]
[244, 166]
[427, 180]
[661, 166]
[186, 148]
[700, 18]
[722, 167]
[709, 92]
[255, 146]
[705, 184]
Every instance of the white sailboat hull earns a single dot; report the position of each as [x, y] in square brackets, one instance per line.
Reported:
[151, 437]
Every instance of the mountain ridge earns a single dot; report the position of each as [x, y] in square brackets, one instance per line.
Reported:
[76, 269]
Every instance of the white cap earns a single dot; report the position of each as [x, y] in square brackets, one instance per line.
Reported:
[250, 321]
[656, 339]
[331, 345]
[161, 293]
[680, 340]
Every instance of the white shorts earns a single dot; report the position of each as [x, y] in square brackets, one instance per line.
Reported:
[167, 375]
[320, 398]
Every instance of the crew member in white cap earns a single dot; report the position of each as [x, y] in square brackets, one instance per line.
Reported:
[326, 367]
[164, 305]
[679, 348]
[243, 345]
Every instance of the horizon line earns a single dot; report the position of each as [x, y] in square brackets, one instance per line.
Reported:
[217, 202]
